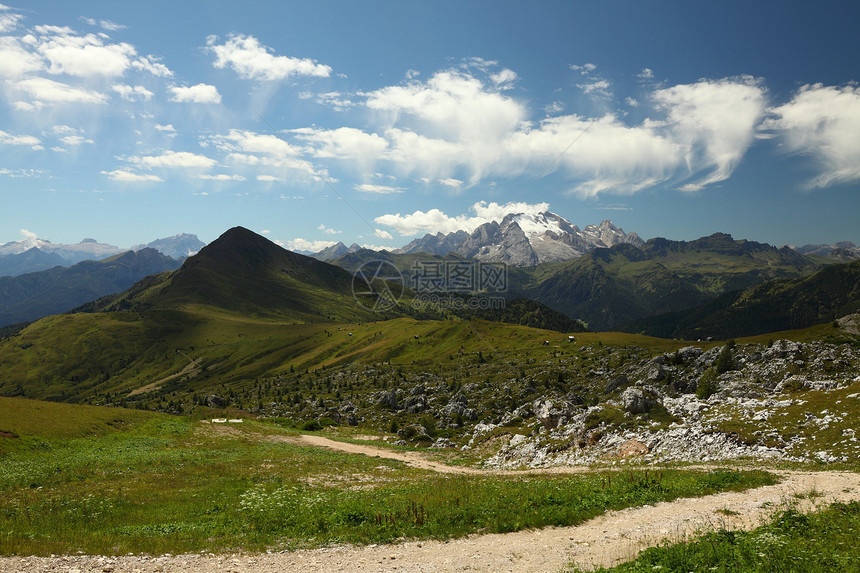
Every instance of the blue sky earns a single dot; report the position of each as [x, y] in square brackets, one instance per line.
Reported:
[375, 122]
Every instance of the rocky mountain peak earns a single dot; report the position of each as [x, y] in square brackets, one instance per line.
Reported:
[524, 239]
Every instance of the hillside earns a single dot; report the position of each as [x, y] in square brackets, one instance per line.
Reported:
[831, 293]
[241, 308]
[609, 287]
[244, 273]
[33, 295]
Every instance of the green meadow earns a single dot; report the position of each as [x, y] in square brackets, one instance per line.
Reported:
[112, 481]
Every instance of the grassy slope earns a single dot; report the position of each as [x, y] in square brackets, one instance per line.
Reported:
[73, 357]
[168, 484]
[824, 541]
[25, 424]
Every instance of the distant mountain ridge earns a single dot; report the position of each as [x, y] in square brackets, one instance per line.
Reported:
[87, 249]
[29, 261]
[843, 251]
[524, 239]
[32, 254]
[178, 246]
[610, 287]
[829, 294]
[336, 251]
[31, 296]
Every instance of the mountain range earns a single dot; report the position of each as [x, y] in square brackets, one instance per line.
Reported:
[31, 296]
[609, 287]
[519, 239]
[242, 307]
[33, 254]
[843, 251]
[773, 306]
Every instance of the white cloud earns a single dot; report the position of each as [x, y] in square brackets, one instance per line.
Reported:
[328, 231]
[165, 128]
[201, 93]
[268, 178]
[554, 108]
[496, 212]
[238, 140]
[22, 173]
[451, 182]
[299, 244]
[221, 177]
[646, 74]
[253, 61]
[584, 69]
[603, 154]
[504, 78]
[83, 56]
[29, 237]
[9, 21]
[47, 29]
[451, 105]
[264, 150]
[335, 100]
[15, 61]
[454, 128]
[29, 140]
[126, 176]
[632, 102]
[457, 130]
[75, 140]
[343, 143]
[824, 122]
[378, 189]
[152, 65]
[598, 87]
[173, 159]
[106, 24]
[44, 91]
[384, 235]
[132, 93]
[715, 120]
[436, 221]
[27, 106]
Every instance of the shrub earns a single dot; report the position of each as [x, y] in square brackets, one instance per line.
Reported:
[724, 360]
[708, 384]
[312, 426]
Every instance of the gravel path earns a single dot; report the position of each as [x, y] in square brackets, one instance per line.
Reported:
[605, 540]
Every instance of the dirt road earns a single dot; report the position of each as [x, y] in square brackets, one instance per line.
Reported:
[605, 540]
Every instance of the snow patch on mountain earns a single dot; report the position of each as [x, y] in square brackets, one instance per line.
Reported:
[524, 239]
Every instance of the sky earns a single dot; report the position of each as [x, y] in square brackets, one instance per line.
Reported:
[376, 122]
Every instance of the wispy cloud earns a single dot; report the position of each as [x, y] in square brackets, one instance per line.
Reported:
[125, 176]
[824, 122]
[253, 61]
[378, 189]
[435, 220]
[173, 159]
[200, 93]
